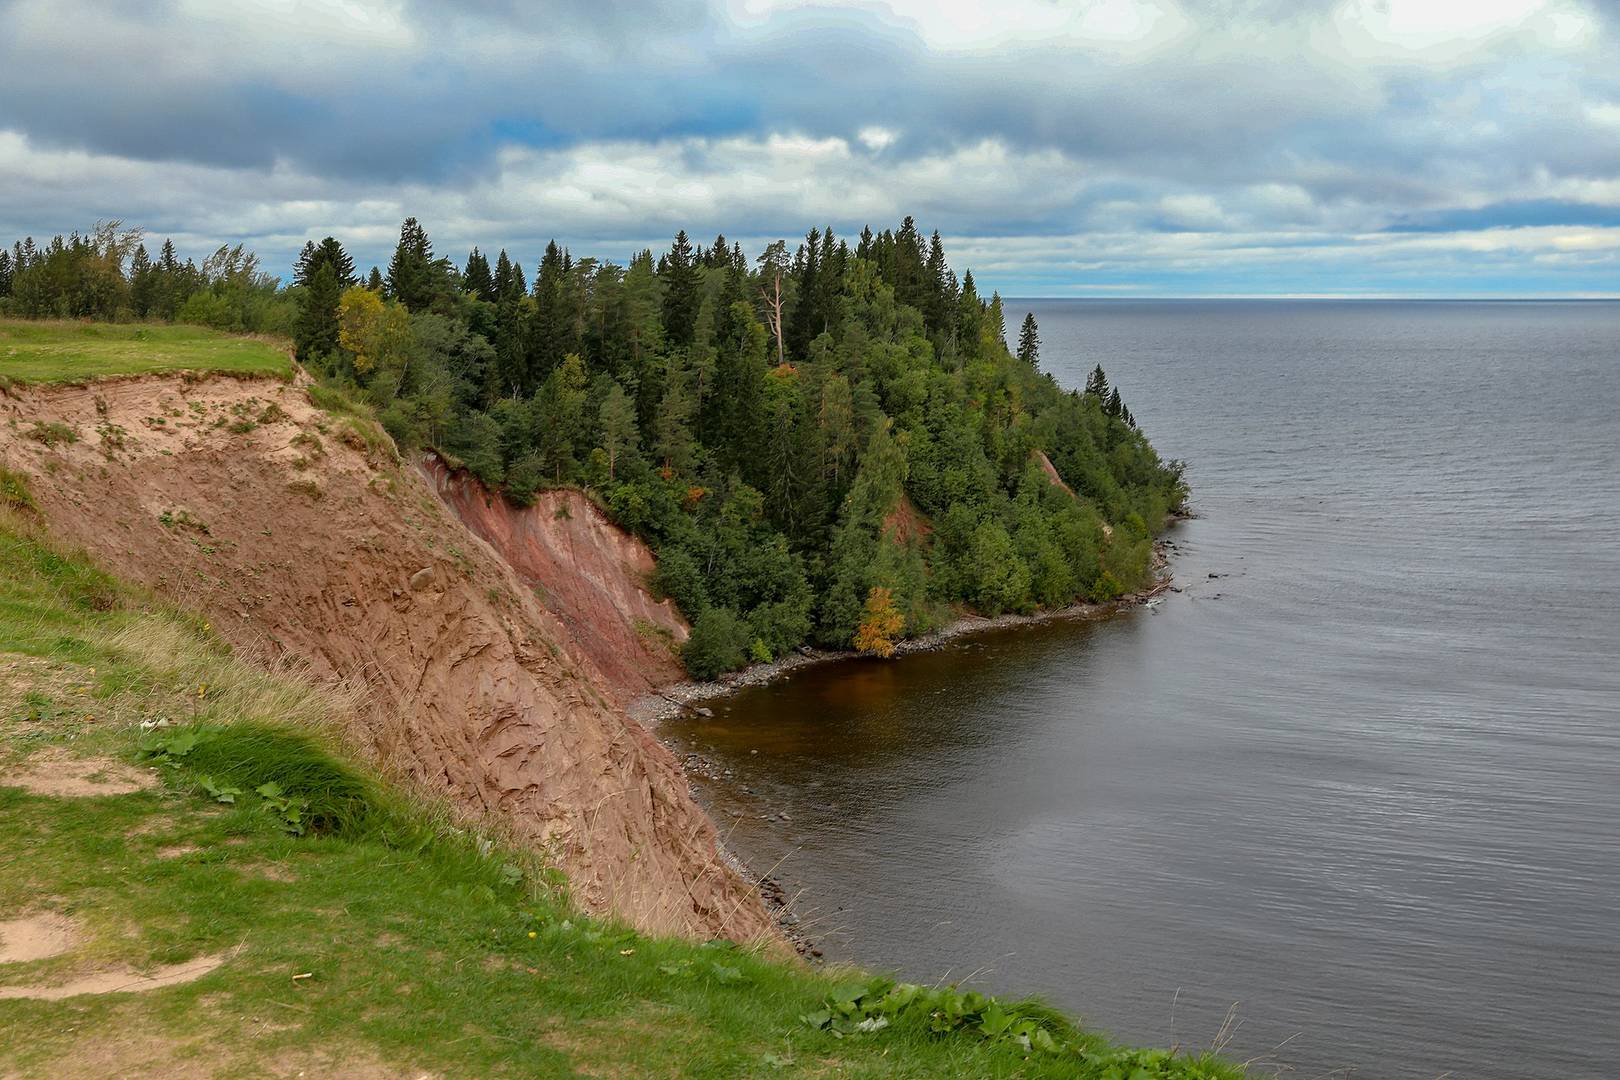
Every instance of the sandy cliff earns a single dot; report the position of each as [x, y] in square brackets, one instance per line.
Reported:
[301, 539]
[585, 570]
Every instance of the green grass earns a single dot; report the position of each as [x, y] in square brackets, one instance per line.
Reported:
[56, 352]
[362, 927]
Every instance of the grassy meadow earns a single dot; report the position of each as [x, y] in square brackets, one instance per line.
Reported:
[55, 352]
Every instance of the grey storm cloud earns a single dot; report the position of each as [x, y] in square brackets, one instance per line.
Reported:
[1344, 117]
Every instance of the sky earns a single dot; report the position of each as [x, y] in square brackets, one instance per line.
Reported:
[1078, 148]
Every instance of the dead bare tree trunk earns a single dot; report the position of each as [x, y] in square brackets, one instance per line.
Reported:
[773, 315]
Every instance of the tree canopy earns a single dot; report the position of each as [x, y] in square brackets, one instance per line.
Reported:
[828, 443]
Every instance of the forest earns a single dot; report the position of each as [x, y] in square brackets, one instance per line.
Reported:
[828, 443]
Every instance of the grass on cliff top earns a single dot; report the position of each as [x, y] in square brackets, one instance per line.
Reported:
[361, 933]
[56, 352]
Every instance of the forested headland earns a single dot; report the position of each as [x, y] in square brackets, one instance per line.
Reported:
[826, 443]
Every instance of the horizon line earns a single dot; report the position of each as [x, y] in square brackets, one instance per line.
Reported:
[1607, 297]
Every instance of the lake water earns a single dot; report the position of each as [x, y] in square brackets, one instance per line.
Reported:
[1361, 790]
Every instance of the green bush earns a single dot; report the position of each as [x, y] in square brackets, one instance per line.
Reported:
[719, 643]
[681, 580]
[305, 786]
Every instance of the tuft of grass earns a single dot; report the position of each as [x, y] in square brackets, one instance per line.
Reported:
[358, 427]
[14, 493]
[334, 400]
[57, 352]
[369, 438]
[272, 414]
[307, 488]
[52, 433]
[289, 769]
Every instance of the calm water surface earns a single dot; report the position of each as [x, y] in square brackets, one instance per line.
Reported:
[1364, 785]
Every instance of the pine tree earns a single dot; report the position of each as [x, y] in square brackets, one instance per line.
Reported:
[672, 425]
[617, 423]
[558, 413]
[1029, 342]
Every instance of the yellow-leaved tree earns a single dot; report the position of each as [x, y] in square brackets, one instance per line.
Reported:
[376, 332]
[881, 625]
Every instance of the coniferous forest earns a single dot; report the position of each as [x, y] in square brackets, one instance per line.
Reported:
[829, 443]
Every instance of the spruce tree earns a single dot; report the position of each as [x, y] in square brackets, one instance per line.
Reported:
[170, 286]
[681, 299]
[503, 279]
[1097, 384]
[550, 337]
[142, 279]
[411, 271]
[969, 314]
[476, 278]
[375, 281]
[327, 253]
[316, 333]
[1029, 342]
[617, 423]
[303, 267]
[805, 322]
[330, 252]
[907, 273]
[936, 277]
[1114, 404]
[5, 273]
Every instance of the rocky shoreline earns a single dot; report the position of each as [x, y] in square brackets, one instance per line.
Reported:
[671, 701]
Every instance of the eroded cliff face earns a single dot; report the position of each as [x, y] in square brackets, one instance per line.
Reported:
[585, 570]
[301, 540]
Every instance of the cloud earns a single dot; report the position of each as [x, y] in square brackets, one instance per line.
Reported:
[1156, 139]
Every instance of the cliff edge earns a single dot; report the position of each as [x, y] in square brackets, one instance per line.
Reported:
[305, 541]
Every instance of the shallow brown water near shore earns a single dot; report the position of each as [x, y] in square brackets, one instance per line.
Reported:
[1365, 782]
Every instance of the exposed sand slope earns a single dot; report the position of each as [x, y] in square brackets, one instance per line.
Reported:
[1050, 470]
[296, 539]
[587, 571]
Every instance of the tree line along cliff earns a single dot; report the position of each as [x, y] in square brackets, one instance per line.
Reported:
[829, 443]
